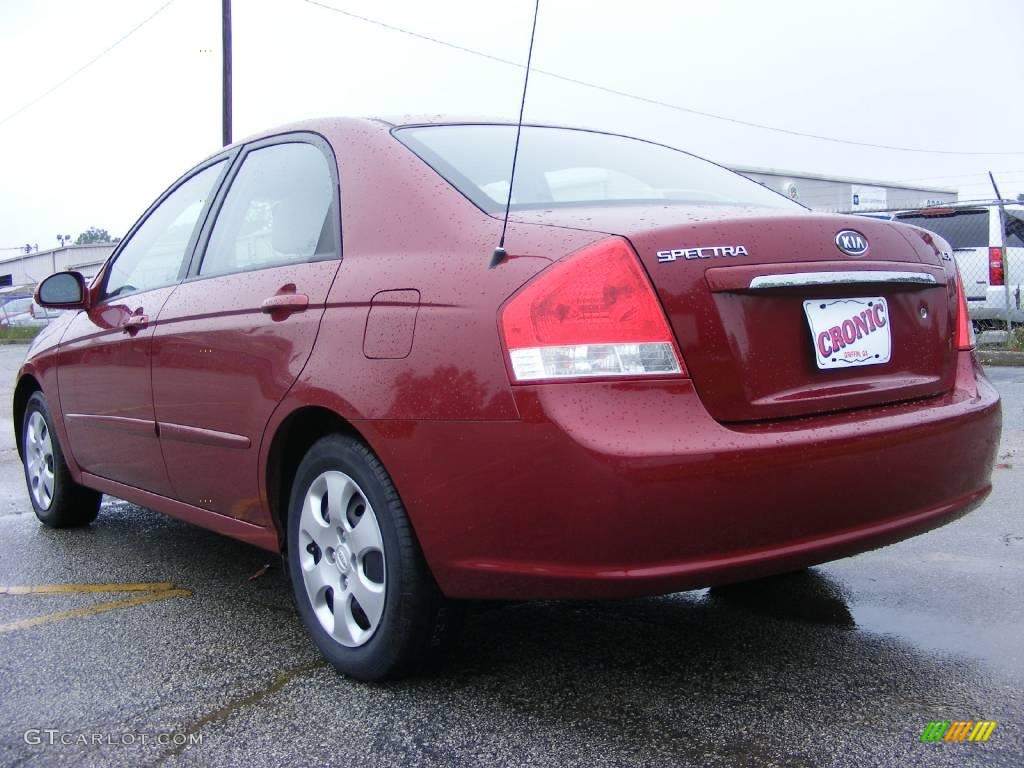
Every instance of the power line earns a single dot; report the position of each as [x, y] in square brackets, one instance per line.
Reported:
[647, 99]
[87, 64]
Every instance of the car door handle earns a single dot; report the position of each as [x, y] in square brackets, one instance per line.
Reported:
[135, 323]
[285, 302]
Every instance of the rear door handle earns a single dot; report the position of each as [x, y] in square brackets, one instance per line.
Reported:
[135, 323]
[285, 302]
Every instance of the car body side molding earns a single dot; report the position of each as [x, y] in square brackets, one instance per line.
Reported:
[186, 434]
[118, 423]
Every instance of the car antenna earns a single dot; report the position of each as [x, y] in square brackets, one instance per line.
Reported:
[995, 186]
[500, 254]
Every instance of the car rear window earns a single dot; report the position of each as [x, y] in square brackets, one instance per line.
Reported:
[962, 229]
[1014, 235]
[560, 167]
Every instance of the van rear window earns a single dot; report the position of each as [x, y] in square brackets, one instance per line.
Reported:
[1013, 237]
[963, 229]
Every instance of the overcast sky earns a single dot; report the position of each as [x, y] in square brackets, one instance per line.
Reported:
[938, 74]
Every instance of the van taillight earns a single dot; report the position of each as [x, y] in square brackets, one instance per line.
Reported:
[964, 327]
[592, 314]
[996, 273]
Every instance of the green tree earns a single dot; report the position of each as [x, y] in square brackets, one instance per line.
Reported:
[95, 235]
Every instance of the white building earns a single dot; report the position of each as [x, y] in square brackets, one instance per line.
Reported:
[845, 195]
[29, 268]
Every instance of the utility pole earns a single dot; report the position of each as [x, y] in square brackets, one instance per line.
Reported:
[226, 70]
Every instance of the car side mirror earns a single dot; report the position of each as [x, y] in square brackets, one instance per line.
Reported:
[64, 290]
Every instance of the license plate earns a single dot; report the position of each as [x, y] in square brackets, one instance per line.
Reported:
[849, 332]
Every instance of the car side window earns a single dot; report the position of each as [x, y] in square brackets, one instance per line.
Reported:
[152, 258]
[278, 211]
[1014, 235]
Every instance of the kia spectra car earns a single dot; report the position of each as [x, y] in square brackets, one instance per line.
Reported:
[676, 378]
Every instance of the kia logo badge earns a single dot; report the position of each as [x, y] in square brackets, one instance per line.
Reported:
[852, 243]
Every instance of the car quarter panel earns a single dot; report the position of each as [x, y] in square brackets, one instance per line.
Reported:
[406, 229]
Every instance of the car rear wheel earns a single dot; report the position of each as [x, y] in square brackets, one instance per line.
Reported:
[360, 581]
[58, 501]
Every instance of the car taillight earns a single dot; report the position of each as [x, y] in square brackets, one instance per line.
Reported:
[996, 273]
[594, 313]
[964, 327]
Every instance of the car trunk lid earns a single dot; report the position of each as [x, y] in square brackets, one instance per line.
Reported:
[734, 284]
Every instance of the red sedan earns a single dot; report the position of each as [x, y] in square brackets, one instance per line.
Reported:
[676, 378]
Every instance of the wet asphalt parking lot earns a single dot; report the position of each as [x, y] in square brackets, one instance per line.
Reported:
[844, 664]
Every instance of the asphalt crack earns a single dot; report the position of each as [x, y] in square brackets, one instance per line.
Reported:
[281, 679]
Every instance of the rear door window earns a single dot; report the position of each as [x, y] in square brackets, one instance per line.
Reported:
[278, 211]
[962, 229]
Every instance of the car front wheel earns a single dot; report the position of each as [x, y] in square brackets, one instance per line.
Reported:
[58, 501]
[360, 581]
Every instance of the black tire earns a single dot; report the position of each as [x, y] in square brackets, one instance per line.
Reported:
[70, 505]
[416, 623]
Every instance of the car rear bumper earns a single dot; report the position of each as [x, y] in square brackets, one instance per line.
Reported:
[619, 489]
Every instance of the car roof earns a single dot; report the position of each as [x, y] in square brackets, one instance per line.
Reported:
[387, 122]
[408, 120]
[327, 126]
[399, 121]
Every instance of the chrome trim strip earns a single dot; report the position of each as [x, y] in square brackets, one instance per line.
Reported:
[852, 277]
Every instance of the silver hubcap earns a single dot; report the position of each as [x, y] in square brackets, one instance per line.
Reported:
[341, 554]
[39, 460]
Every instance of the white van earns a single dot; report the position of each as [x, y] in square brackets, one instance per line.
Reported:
[990, 256]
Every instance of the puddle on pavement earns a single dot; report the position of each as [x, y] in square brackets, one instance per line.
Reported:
[994, 642]
[812, 597]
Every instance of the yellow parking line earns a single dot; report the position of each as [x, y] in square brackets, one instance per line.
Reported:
[44, 589]
[154, 591]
